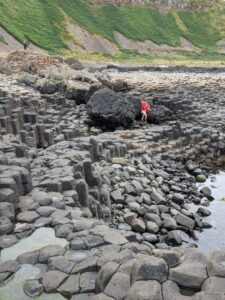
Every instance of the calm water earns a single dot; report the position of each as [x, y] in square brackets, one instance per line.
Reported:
[40, 238]
[214, 238]
[13, 290]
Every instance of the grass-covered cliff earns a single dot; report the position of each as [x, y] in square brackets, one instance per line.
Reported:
[43, 22]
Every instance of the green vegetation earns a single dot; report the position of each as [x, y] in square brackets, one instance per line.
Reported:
[43, 23]
[38, 21]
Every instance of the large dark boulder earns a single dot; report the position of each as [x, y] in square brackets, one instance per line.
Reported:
[159, 114]
[111, 110]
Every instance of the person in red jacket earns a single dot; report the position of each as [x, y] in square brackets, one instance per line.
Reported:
[145, 107]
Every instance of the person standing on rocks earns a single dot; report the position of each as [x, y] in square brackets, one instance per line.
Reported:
[145, 107]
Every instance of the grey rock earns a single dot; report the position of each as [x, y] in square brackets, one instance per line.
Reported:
[4, 276]
[52, 280]
[158, 198]
[115, 238]
[8, 240]
[32, 288]
[27, 216]
[191, 272]
[150, 268]
[6, 226]
[87, 282]
[87, 265]
[70, 286]
[145, 290]
[118, 286]
[185, 221]
[11, 266]
[61, 263]
[169, 223]
[214, 284]
[138, 225]
[104, 275]
[50, 251]
[31, 257]
[171, 257]
[178, 198]
[7, 210]
[174, 237]
[152, 227]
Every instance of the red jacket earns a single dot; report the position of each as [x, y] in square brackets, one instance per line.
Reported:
[145, 106]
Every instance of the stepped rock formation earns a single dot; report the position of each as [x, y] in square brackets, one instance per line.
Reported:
[105, 214]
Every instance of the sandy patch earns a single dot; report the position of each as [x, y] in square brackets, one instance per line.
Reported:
[11, 44]
[147, 46]
[87, 42]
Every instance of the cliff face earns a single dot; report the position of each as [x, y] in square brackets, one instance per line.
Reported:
[154, 3]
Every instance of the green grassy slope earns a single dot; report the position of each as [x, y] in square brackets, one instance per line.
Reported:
[42, 22]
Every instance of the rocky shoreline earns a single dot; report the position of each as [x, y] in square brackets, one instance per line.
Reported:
[118, 198]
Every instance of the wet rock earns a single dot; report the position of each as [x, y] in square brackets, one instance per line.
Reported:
[60, 263]
[71, 286]
[32, 288]
[52, 280]
[31, 257]
[206, 191]
[4, 276]
[9, 266]
[174, 237]
[50, 251]
[201, 178]
[185, 221]
[203, 212]
[8, 240]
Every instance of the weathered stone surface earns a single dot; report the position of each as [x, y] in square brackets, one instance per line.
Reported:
[214, 284]
[71, 286]
[191, 272]
[118, 286]
[150, 268]
[31, 257]
[138, 225]
[50, 251]
[87, 282]
[185, 221]
[145, 290]
[6, 226]
[32, 288]
[104, 275]
[52, 280]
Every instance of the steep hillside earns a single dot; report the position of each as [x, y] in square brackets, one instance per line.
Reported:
[58, 26]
